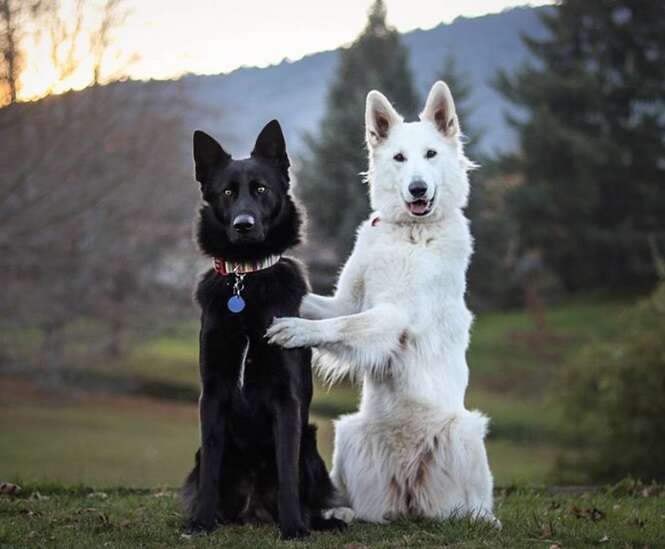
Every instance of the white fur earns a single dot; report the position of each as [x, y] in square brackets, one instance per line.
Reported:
[398, 320]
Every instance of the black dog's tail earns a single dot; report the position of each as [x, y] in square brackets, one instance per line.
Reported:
[190, 488]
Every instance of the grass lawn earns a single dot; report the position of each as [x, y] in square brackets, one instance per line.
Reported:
[51, 515]
[135, 442]
[117, 440]
[101, 440]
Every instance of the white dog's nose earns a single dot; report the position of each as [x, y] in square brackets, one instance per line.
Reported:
[417, 188]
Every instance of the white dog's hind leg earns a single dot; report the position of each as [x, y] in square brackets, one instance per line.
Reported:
[469, 465]
[433, 468]
[357, 472]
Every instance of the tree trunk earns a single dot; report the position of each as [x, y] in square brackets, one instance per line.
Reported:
[52, 354]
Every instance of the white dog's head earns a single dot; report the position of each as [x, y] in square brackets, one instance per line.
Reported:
[417, 170]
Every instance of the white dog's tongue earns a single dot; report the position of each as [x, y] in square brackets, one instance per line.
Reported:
[419, 207]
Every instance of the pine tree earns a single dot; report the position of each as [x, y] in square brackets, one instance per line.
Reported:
[592, 157]
[330, 174]
[460, 86]
[493, 230]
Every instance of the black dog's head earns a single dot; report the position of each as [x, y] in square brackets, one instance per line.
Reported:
[248, 212]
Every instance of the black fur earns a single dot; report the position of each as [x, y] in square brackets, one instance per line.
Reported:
[258, 458]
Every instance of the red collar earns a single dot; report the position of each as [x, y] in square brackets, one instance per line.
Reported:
[226, 268]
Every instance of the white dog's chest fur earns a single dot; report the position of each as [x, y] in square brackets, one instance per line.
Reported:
[421, 269]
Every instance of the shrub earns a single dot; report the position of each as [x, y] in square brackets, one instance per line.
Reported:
[615, 400]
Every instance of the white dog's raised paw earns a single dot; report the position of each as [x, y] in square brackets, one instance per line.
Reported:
[345, 514]
[289, 332]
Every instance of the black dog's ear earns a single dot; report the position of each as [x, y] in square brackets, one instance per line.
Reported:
[208, 155]
[270, 145]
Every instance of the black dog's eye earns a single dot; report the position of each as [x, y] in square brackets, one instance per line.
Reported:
[431, 153]
[260, 189]
[228, 192]
[399, 157]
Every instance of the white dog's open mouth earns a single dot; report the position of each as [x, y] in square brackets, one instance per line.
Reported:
[420, 207]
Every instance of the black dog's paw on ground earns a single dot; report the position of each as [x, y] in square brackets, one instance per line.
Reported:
[293, 531]
[194, 527]
[320, 523]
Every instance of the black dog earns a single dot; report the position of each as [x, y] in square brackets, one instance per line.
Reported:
[258, 458]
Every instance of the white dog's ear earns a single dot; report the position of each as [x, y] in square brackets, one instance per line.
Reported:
[380, 117]
[440, 109]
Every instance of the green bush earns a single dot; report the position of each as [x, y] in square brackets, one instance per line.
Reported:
[615, 401]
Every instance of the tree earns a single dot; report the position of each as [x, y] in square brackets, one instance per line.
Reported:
[92, 201]
[460, 86]
[94, 204]
[592, 154]
[76, 40]
[492, 228]
[13, 17]
[329, 178]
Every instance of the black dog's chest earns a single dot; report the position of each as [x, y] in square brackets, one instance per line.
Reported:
[252, 374]
[261, 381]
[261, 377]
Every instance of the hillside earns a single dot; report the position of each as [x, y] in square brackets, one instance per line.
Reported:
[236, 105]
[295, 92]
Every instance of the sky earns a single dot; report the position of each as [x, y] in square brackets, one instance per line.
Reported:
[168, 38]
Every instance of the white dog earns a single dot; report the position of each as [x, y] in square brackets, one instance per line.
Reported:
[399, 321]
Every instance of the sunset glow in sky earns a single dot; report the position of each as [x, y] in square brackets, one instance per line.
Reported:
[168, 38]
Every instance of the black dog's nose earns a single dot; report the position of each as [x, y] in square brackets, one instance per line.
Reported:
[243, 223]
[417, 188]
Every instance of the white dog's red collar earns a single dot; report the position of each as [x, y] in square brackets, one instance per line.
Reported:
[226, 268]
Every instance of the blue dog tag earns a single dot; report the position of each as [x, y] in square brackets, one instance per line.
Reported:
[235, 304]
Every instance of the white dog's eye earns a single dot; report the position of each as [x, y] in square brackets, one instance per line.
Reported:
[399, 157]
[431, 153]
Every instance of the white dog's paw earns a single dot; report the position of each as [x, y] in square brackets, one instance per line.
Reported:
[490, 519]
[290, 332]
[344, 514]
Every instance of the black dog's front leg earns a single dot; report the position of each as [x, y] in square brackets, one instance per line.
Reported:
[288, 434]
[212, 449]
[218, 357]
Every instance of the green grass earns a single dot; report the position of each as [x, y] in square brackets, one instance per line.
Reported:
[505, 345]
[114, 441]
[105, 441]
[172, 358]
[51, 515]
[102, 441]
[110, 440]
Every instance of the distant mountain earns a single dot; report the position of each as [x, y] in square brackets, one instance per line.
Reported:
[295, 92]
